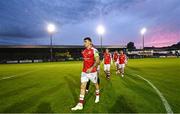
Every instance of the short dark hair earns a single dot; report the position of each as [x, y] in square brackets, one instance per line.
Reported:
[88, 38]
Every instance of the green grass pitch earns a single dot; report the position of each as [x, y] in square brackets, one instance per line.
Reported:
[54, 87]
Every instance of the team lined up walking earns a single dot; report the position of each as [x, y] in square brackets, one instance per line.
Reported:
[91, 69]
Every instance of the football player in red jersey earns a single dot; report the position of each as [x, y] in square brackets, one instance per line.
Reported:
[115, 59]
[90, 62]
[107, 63]
[98, 80]
[122, 59]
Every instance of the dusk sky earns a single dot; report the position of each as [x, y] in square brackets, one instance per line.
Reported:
[24, 22]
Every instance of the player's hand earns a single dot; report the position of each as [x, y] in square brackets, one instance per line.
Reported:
[89, 70]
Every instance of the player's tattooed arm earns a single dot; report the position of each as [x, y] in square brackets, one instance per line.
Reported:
[97, 62]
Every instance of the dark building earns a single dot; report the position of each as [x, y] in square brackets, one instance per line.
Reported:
[42, 52]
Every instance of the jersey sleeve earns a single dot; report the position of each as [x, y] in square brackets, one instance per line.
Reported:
[96, 53]
[111, 55]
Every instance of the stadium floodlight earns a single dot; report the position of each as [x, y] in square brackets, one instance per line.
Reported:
[101, 30]
[143, 31]
[51, 29]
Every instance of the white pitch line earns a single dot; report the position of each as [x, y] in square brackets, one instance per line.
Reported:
[8, 77]
[163, 99]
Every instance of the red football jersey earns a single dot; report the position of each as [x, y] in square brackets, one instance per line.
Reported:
[115, 56]
[89, 59]
[122, 58]
[107, 58]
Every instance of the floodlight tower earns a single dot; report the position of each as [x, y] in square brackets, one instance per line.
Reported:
[51, 29]
[101, 30]
[143, 31]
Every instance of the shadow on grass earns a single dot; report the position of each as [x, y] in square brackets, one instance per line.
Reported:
[16, 91]
[122, 106]
[44, 107]
[20, 107]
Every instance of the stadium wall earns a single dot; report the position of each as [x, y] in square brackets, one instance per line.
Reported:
[41, 53]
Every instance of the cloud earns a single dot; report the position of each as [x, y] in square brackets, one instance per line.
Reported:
[123, 19]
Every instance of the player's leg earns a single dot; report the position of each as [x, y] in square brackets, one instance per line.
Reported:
[97, 92]
[79, 106]
[84, 80]
[108, 71]
[122, 70]
[87, 86]
[98, 80]
[94, 79]
[117, 66]
[105, 69]
[83, 86]
[122, 74]
[118, 69]
[98, 74]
